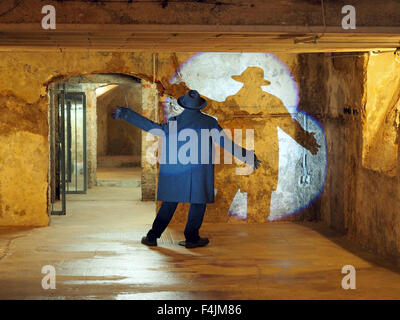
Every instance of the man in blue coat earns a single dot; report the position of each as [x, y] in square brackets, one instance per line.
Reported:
[187, 164]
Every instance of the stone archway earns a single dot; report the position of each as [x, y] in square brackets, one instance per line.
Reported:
[148, 104]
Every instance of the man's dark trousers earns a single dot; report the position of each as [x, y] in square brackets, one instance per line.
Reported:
[165, 214]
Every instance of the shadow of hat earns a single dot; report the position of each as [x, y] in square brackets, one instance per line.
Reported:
[253, 75]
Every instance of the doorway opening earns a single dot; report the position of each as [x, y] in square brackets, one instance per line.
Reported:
[88, 148]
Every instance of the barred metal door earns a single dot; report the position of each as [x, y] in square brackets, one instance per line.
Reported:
[68, 161]
[75, 142]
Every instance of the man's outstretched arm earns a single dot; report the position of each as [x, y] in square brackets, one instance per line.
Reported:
[247, 156]
[127, 114]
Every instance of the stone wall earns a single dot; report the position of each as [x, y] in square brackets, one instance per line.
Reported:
[91, 132]
[377, 223]
[149, 166]
[382, 114]
[358, 95]
[118, 138]
[24, 160]
[334, 86]
[196, 12]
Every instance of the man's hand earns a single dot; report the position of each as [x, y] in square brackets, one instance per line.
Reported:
[119, 112]
[312, 144]
[257, 163]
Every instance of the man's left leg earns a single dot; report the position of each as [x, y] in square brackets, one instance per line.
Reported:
[195, 219]
[160, 223]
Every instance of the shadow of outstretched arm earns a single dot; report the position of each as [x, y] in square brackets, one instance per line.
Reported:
[306, 139]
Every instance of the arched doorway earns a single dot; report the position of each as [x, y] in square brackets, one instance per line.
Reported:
[87, 147]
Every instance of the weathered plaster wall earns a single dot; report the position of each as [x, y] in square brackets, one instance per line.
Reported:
[377, 223]
[358, 96]
[91, 132]
[24, 144]
[233, 12]
[149, 167]
[334, 87]
[102, 123]
[23, 159]
[382, 114]
[119, 138]
[23, 178]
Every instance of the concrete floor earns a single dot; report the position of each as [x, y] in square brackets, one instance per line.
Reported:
[122, 177]
[128, 173]
[96, 252]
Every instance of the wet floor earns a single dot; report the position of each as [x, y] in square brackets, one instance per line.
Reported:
[96, 253]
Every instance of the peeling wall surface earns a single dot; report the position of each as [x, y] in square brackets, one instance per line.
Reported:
[118, 138]
[357, 200]
[377, 225]
[334, 87]
[23, 178]
[150, 103]
[382, 114]
[233, 12]
[91, 132]
[24, 147]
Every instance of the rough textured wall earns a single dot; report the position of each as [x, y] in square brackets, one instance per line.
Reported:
[334, 86]
[149, 166]
[120, 138]
[357, 102]
[102, 120]
[23, 177]
[382, 114]
[91, 132]
[232, 12]
[377, 223]
[124, 139]
[24, 158]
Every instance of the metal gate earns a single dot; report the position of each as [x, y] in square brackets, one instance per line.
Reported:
[68, 160]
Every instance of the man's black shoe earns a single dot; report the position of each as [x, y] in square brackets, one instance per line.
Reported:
[199, 243]
[149, 242]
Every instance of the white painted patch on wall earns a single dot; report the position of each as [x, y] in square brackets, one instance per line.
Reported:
[210, 74]
[238, 206]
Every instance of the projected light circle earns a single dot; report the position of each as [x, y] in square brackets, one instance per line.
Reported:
[211, 75]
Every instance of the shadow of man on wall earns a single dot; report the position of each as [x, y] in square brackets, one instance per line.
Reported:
[253, 108]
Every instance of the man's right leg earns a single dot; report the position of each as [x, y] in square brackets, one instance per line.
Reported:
[195, 219]
[163, 218]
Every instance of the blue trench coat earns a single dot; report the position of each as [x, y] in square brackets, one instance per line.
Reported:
[181, 177]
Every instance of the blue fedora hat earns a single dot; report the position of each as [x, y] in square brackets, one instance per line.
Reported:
[192, 100]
